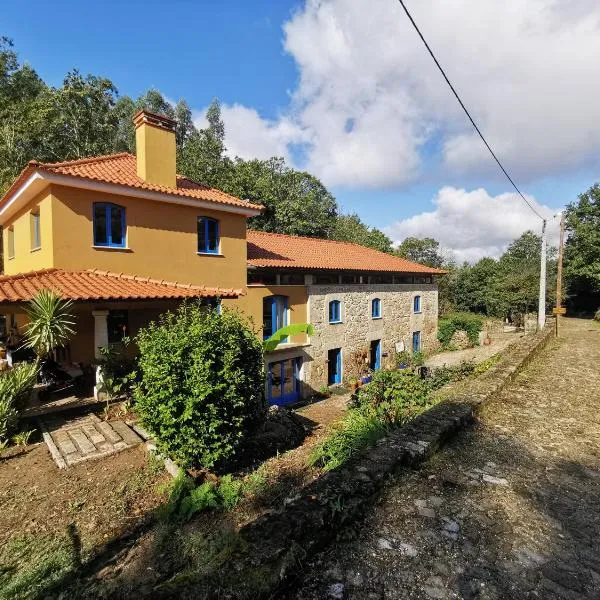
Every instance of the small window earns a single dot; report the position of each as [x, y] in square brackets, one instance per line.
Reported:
[208, 236]
[376, 308]
[326, 279]
[335, 313]
[291, 279]
[11, 242]
[109, 225]
[36, 238]
[417, 304]
[274, 314]
[416, 341]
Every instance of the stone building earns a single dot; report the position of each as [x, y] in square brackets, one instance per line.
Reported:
[365, 306]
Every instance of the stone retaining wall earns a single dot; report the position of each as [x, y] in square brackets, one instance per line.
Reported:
[273, 546]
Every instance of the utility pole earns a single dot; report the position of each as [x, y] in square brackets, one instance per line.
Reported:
[558, 310]
[542, 297]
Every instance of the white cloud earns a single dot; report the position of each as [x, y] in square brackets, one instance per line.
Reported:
[473, 224]
[369, 97]
[249, 136]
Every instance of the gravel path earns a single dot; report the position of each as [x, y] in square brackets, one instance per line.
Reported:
[510, 509]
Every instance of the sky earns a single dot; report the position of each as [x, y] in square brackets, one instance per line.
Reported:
[346, 90]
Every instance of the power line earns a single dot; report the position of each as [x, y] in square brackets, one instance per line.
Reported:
[466, 111]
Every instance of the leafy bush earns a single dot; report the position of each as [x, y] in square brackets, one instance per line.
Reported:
[201, 389]
[389, 400]
[393, 396]
[469, 323]
[15, 388]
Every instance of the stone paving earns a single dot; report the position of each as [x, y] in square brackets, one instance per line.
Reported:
[510, 509]
[84, 438]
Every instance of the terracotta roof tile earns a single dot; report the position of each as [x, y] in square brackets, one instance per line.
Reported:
[288, 251]
[121, 169]
[93, 284]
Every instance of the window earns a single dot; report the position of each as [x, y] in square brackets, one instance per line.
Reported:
[274, 314]
[335, 313]
[117, 323]
[404, 279]
[351, 279]
[208, 236]
[109, 225]
[416, 341]
[376, 308]
[36, 239]
[417, 304]
[259, 277]
[11, 242]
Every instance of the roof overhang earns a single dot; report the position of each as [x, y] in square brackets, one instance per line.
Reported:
[38, 180]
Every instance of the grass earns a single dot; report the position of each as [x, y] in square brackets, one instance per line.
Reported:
[33, 567]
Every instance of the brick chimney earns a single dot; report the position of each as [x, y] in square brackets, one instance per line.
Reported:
[155, 148]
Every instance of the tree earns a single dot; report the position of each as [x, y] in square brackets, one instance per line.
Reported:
[50, 322]
[582, 251]
[350, 228]
[424, 251]
[296, 202]
[476, 287]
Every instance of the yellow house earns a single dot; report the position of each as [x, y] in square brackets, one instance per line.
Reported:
[126, 238]
[123, 236]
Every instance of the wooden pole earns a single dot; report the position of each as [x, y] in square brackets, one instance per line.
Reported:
[560, 269]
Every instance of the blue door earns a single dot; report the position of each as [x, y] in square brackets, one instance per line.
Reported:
[334, 366]
[416, 341]
[375, 356]
[283, 381]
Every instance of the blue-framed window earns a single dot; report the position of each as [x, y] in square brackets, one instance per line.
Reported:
[36, 235]
[208, 235]
[109, 225]
[416, 341]
[417, 304]
[335, 311]
[376, 308]
[274, 314]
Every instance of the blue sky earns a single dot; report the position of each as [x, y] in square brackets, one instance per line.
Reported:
[289, 75]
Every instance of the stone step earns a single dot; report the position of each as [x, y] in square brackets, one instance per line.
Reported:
[128, 435]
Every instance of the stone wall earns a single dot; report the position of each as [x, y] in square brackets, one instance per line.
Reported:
[358, 328]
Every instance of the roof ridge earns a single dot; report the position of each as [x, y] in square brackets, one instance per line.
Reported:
[30, 274]
[81, 161]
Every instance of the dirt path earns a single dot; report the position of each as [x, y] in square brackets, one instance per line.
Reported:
[511, 509]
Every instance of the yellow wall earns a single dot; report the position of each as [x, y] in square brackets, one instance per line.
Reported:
[252, 305]
[161, 240]
[155, 150]
[25, 258]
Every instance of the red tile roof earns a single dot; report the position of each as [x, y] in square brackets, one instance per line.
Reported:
[294, 252]
[93, 284]
[121, 169]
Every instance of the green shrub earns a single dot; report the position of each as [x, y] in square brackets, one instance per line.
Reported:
[15, 388]
[444, 375]
[394, 396]
[469, 323]
[201, 389]
[199, 499]
[229, 492]
[389, 400]
[357, 430]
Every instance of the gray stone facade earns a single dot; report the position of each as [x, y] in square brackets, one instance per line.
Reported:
[357, 329]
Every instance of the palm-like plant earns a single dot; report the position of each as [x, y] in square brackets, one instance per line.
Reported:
[281, 334]
[50, 322]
